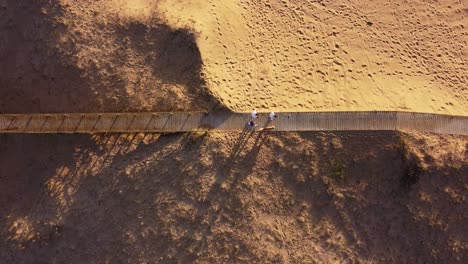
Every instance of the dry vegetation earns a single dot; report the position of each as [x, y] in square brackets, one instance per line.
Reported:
[226, 197]
[284, 197]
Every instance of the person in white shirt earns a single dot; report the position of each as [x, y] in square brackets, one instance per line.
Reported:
[254, 114]
[272, 116]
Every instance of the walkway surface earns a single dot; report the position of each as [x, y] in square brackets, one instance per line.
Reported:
[190, 121]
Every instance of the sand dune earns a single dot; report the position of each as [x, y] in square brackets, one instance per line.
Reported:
[332, 55]
[360, 197]
[97, 56]
[214, 198]
[143, 55]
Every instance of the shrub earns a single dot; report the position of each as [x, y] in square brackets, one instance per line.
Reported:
[412, 166]
[337, 169]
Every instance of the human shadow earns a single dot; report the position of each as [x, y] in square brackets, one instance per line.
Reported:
[239, 144]
[141, 185]
[155, 197]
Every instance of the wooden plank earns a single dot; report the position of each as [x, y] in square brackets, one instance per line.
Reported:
[190, 121]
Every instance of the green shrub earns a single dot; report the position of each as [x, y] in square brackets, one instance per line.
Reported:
[337, 169]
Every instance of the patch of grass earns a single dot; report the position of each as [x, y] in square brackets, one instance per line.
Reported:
[337, 169]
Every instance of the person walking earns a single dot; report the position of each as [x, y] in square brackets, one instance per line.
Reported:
[254, 114]
[252, 124]
[272, 116]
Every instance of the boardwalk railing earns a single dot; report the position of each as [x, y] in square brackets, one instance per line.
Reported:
[189, 121]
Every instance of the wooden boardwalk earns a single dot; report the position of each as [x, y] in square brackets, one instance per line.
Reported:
[190, 121]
